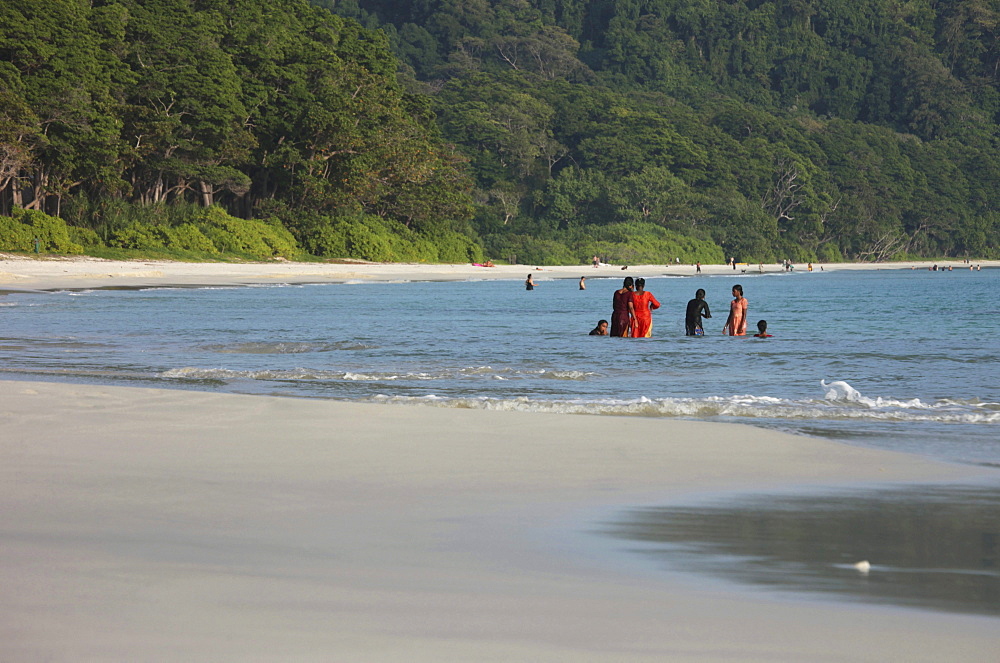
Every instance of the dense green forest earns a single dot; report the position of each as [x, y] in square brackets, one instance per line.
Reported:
[550, 130]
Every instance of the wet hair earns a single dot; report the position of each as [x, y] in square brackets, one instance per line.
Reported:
[601, 322]
[699, 293]
[629, 282]
[739, 289]
[762, 326]
[640, 283]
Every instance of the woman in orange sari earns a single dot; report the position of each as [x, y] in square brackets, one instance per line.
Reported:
[736, 324]
[644, 303]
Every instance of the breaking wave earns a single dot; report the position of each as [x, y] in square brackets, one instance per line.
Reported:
[474, 372]
[842, 402]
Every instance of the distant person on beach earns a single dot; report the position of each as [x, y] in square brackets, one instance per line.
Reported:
[643, 305]
[762, 330]
[736, 323]
[597, 262]
[529, 283]
[622, 309]
[601, 329]
[697, 268]
[583, 286]
[696, 309]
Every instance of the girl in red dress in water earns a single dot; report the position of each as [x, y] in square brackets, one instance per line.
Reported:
[643, 303]
[736, 324]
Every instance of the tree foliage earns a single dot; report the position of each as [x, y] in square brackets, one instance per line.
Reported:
[261, 107]
[434, 129]
[774, 128]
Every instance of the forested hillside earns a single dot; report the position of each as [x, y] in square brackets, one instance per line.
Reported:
[553, 130]
[153, 123]
[862, 129]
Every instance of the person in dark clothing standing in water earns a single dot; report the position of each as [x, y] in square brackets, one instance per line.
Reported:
[696, 308]
[622, 308]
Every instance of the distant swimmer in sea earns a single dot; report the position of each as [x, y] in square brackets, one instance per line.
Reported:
[762, 330]
[601, 329]
[736, 323]
[643, 305]
[583, 286]
[696, 309]
[529, 283]
[621, 308]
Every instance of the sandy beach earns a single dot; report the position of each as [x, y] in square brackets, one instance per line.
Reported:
[169, 525]
[46, 273]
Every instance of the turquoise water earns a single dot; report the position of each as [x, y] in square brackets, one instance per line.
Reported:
[914, 354]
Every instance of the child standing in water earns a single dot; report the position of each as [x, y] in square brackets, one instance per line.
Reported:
[762, 330]
[736, 324]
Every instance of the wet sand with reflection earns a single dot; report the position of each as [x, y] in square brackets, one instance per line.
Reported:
[932, 546]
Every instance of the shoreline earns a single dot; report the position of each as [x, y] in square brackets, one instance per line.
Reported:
[23, 273]
[169, 525]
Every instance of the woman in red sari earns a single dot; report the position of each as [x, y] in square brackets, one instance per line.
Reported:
[621, 308]
[643, 303]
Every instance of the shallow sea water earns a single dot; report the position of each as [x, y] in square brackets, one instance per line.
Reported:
[910, 358]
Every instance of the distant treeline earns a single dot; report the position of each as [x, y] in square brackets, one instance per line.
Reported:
[802, 129]
[549, 130]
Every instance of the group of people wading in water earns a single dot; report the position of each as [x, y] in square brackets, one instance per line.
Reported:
[633, 306]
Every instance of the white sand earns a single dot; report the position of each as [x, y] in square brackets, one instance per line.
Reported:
[158, 525]
[44, 273]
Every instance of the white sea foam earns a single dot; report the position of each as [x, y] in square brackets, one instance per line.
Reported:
[738, 406]
[287, 347]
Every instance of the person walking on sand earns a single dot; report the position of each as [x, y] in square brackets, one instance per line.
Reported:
[736, 324]
[643, 304]
[529, 283]
[696, 308]
[622, 308]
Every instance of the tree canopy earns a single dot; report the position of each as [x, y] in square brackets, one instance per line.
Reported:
[555, 129]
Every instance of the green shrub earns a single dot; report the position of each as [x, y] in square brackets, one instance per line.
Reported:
[366, 239]
[528, 250]
[253, 237]
[454, 247]
[188, 237]
[15, 236]
[136, 236]
[643, 243]
[85, 237]
[829, 252]
[20, 231]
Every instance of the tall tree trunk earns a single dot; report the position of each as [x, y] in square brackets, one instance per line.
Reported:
[207, 193]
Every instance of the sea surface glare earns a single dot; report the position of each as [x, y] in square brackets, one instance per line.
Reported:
[895, 359]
